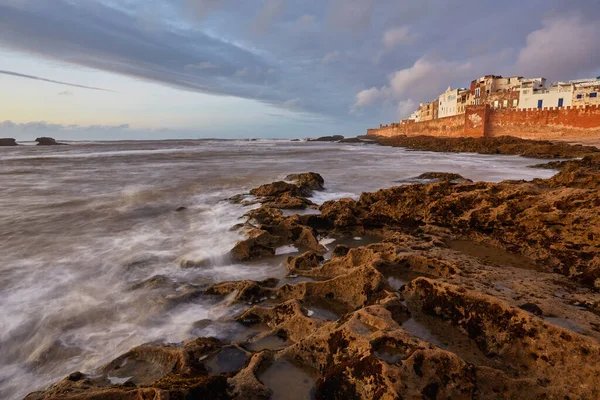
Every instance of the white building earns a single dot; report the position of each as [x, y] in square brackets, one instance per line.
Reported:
[585, 92]
[534, 94]
[415, 116]
[447, 103]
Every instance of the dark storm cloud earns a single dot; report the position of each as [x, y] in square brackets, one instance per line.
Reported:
[323, 56]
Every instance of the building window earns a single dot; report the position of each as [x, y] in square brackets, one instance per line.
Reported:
[505, 103]
[594, 94]
[495, 103]
[477, 92]
[560, 102]
[515, 102]
[579, 96]
[540, 103]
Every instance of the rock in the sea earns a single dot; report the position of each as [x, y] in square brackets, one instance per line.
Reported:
[275, 189]
[8, 142]
[334, 138]
[357, 140]
[443, 176]
[310, 180]
[47, 141]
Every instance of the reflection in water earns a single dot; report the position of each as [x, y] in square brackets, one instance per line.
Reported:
[82, 226]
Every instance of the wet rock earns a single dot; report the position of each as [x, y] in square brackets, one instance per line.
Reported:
[260, 244]
[340, 250]
[275, 189]
[309, 180]
[155, 282]
[147, 371]
[179, 209]
[334, 138]
[200, 263]
[8, 142]
[306, 261]
[443, 176]
[355, 140]
[47, 141]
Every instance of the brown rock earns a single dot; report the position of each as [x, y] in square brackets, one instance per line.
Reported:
[306, 261]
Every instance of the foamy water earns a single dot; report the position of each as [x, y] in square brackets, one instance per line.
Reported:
[82, 227]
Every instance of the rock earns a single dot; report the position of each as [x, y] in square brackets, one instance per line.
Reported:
[201, 263]
[490, 145]
[289, 201]
[308, 180]
[333, 138]
[179, 209]
[295, 140]
[357, 140]
[260, 244]
[275, 189]
[305, 261]
[8, 142]
[443, 176]
[532, 308]
[47, 141]
[340, 250]
[147, 372]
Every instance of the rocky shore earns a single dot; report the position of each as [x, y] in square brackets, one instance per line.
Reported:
[440, 289]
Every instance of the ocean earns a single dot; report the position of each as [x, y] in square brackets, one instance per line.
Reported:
[95, 259]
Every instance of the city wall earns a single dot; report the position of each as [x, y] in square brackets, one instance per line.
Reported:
[479, 121]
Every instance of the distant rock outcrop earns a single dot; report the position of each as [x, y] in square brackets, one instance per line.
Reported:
[47, 141]
[8, 142]
[333, 138]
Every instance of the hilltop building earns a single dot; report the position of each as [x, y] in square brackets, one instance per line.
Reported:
[447, 103]
[496, 91]
[532, 95]
[428, 111]
[585, 92]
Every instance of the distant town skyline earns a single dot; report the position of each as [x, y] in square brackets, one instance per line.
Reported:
[156, 69]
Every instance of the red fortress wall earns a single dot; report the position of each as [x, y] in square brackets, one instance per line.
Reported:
[479, 121]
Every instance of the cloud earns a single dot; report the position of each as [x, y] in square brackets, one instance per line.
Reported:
[305, 22]
[397, 36]
[292, 104]
[266, 16]
[565, 47]
[65, 93]
[202, 8]
[367, 97]
[352, 15]
[332, 57]
[37, 78]
[424, 80]
[323, 53]
[406, 107]
[201, 65]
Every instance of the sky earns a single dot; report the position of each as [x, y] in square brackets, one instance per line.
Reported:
[159, 69]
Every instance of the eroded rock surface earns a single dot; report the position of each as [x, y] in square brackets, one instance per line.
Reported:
[474, 291]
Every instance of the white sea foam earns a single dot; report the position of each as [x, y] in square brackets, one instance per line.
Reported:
[286, 250]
